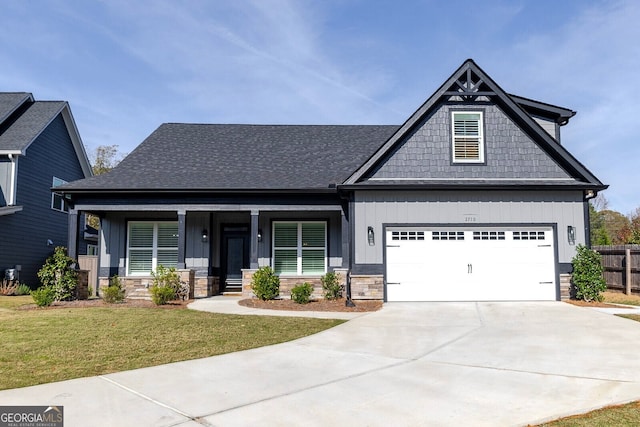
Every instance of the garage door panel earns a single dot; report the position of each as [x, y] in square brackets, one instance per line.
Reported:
[471, 265]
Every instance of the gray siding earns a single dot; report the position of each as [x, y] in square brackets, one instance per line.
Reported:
[25, 233]
[475, 208]
[548, 125]
[509, 152]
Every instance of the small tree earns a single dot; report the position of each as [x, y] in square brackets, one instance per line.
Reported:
[587, 274]
[265, 283]
[58, 274]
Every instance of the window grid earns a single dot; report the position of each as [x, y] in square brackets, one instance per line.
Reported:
[407, 235]
[447, 235]
[528, 235]
[488, 235]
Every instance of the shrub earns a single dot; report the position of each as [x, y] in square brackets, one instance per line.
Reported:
[114, 292]
[57, 273]
[8, 287]
[331, 285]
[265, 284]
[166, 283]
[23, 289]
[587, 274]
[43, 296]
[301, 294]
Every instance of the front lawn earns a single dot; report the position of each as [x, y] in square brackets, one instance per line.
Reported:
[46, 345]
[614, 416]
[620, 298]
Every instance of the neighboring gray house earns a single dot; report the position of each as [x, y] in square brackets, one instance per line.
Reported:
[40, 148]
[472, 198]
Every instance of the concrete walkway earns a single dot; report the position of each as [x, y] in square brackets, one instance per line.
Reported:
[410, 364]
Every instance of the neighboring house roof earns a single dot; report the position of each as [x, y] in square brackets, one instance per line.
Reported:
[11, 101]
[179, 156]
[22, 120]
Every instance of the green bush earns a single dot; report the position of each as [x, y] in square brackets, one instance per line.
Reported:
[166, 282]
[114, 292]
[43, 296]
[57, 273]
[23, 289]
[301, 294]
[587, 274]
[265, 284]
[331, 285]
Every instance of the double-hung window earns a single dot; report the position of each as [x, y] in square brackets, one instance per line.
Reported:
[57, 200]
[468, 137]
[151, 244]
[300, 248]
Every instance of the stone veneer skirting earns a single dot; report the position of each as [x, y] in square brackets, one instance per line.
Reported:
[565, 286]
[362, 286]
[137, 287]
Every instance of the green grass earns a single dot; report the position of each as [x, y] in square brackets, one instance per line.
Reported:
[41, 346]
[615, 416]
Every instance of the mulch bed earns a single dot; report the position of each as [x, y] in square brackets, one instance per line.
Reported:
[315, 305]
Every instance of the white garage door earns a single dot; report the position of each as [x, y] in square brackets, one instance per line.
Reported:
[475, 264]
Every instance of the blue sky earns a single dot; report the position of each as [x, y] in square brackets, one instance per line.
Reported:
[127, 66]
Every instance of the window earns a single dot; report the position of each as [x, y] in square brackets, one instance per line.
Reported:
[58, 202]
[407, 235]
[528, 235]
[447, 235]
[467, 137]
[488, 235]
[299, 248]
[92, 249]
[151, 244]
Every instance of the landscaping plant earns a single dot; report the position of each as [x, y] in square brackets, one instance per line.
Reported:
[8, 287]
[114, 293]
[23, 289]
[587, 274]
[301, 294]
[331, 285]
[44, 296]
[58, 274]
[166, 282]
[265, 283]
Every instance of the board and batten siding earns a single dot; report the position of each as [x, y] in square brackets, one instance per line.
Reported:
[472, 208]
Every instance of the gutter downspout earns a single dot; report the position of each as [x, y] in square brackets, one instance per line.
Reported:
[13, 180]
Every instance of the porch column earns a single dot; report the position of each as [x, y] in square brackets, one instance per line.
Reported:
[72, 234]
[346, 249]
[253, 251]
[182, 232]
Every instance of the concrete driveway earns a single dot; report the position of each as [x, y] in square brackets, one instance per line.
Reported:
[433, 364]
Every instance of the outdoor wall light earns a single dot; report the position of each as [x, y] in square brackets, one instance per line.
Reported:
[371, 237]
[571, 235]
[205, 235]
[259, 235]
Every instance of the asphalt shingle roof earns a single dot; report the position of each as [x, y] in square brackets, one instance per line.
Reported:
[179, 156]
[10, 101]
[28, 126]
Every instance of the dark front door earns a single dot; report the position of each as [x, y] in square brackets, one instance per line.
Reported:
[235, 257]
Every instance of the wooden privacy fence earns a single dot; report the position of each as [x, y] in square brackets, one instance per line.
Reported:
[90, 263]
[621, 267]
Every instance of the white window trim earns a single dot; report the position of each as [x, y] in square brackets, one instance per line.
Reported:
[154, 249]
[92, 248]
[480, 158]
[299, 248]
[56, 182]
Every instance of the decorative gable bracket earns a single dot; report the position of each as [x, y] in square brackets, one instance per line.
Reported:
[468, 87]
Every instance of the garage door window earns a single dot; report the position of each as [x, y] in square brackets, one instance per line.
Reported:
[488, 235]
[447, 235]
[407, 235]
[528, 235]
